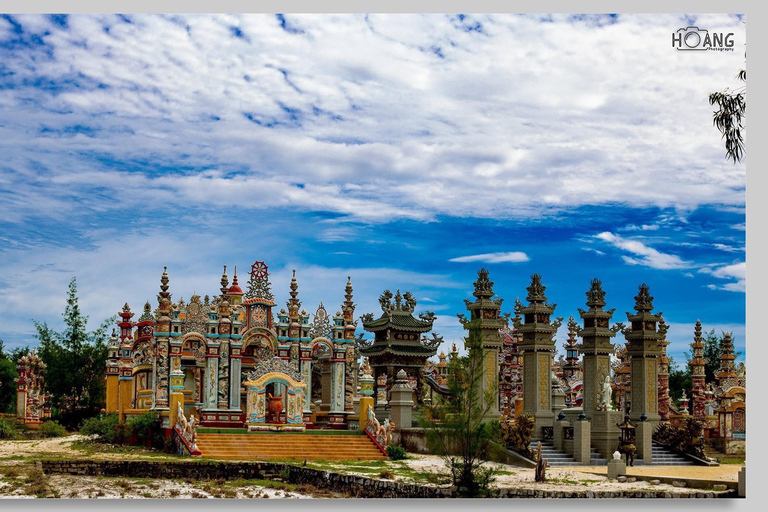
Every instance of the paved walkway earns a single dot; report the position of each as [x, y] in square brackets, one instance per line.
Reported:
[724, 472]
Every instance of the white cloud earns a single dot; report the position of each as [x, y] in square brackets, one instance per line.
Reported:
[729, 248]
[494, 257]
[643, 254]
[736, 271]
[380, 116]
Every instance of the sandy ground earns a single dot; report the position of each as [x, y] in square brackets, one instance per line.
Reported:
[66, 486]
[17, 476]
[574, 478]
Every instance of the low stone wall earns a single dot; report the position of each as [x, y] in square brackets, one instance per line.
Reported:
[355, 486]
[412, 439]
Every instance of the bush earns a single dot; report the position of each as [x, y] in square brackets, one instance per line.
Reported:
[143, 427]
[106, 429]
[396, 452]
[8, 429]
[516, 434]
[52, 429]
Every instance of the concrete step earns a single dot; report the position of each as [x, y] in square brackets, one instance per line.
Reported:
[258, 446]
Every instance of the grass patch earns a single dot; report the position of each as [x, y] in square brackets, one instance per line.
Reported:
[504, 472]
[732, 459]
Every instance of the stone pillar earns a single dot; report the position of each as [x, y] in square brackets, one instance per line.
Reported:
[559, 433]
[486, 320]
[177, 395]
[581, 441]
[113, 374]
[337, 379]
[366, 398]
[643, 349]
[211, 376]
[235, 377]
[616, 466]
[401, 402]
[604, 432]
[743, 482]
[596, 348]
[305, 360]
[537, 345]
[644, 441]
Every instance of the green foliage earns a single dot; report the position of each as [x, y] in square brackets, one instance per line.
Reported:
[141, 430]
[143, 427]
[8, 375]
[684, 439]
[458, 430]
[516, 434]
[75, 361]
[396, 452]
[107, 429]
[8, 428]
[52, 428]
[729, 118]
[679, 379]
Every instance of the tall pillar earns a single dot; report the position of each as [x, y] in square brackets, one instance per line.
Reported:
[697, 374]
[305, 360]
[596, 348]
[211, 391]
[337, 379]
[401, 403]
[113, 373]
[485, 317]
[366, 396]
[125, 379]
[643, 349]
[663, 391]
[537, 345]
[161, 364]
[177, 395]
[235, 375]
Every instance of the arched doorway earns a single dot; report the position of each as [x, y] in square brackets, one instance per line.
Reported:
[262, 383]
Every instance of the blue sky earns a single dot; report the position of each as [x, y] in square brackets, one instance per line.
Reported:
[406, 151]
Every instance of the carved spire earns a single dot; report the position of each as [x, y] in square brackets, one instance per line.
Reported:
[348, 293]
[293, 302]
[643, 300]
[596, 295]
[164, 287]
[147, 315]
[536, 290]
[224, 282]
[483, 285]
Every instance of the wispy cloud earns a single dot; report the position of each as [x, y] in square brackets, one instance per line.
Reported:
[736, 271]
[493, 257]
[643, 254]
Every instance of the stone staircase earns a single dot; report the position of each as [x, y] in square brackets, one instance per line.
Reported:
[556, 458]
[661, 456]
[285, 446]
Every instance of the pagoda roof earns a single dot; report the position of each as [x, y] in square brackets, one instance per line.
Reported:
[404, 349]
[400, 321]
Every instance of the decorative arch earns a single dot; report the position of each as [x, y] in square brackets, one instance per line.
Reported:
[276, 371]
[191, 336]
[322, 340]
[257, 335]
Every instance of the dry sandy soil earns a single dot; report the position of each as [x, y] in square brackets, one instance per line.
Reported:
[18, 477]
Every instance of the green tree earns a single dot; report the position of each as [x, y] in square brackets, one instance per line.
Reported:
[729, 117]
[457, 428]
[679, 379]
[8, 375]
[75, 362]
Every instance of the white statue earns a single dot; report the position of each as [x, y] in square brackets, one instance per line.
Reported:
[607, 392]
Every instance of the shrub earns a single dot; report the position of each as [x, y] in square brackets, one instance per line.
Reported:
[107, 429]
[143, 427]
[516, 434]
[396, 452]
[8, 429]
[52, 428]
